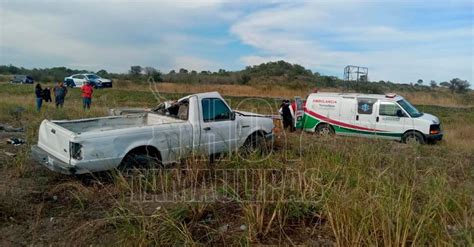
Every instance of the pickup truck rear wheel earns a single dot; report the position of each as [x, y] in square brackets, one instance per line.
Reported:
[140, 160]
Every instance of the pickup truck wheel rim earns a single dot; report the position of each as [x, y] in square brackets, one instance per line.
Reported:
[253, 145]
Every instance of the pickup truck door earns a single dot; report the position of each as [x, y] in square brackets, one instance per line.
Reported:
[218, 128]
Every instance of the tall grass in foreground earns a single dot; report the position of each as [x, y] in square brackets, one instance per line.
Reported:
[343, 191]
[348, 193]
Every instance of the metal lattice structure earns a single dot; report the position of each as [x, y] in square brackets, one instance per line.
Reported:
[356, 73]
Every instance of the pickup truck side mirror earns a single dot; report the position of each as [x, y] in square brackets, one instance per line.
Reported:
[232, 116]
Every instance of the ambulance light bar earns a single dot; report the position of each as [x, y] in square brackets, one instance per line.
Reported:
[390, 95]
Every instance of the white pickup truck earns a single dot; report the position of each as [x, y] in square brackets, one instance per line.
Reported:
[196, 124]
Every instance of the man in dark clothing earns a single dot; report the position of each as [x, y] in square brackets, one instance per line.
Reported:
[39, 96]
[286, 115]
[60, 92]
[47, 95]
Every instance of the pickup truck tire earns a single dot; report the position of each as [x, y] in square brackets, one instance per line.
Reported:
[412, 137]
[141, 158]
[255, 143]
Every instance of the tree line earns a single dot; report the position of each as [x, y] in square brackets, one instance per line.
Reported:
[273, 73]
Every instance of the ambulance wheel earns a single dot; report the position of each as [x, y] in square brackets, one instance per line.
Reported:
[413, 137]
[324, 130]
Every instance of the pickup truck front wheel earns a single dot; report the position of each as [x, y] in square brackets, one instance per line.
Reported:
[255, 143]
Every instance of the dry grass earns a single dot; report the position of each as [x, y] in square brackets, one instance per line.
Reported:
[356, 191]
[438, 97]
[224, 89]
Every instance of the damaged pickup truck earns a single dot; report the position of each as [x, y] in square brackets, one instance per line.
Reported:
[196, 124]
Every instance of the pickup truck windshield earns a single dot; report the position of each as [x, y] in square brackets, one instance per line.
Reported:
[409, 108]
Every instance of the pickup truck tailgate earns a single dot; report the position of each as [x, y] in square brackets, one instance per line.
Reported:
[55, 140]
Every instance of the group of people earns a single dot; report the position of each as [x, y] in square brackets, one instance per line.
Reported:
[60, 91]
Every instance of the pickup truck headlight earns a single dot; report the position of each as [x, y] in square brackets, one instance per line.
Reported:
[75, 150]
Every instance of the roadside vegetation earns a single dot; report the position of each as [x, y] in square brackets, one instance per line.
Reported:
[279, 74]
[343, 191]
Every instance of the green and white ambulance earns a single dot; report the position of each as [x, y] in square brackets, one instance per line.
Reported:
[369, 115]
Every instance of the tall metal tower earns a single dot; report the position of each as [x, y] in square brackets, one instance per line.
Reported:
[356, 73]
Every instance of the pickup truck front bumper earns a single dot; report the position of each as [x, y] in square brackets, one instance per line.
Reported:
[51, 162]
[269, 136]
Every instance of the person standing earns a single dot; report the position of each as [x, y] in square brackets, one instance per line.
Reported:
[60, 92]
[39, 97]
[87, 91]
[47, 95]
[287, 117]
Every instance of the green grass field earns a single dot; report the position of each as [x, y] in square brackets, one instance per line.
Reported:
[310, 190]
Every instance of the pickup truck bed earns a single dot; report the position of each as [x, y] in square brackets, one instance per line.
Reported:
[115, 122]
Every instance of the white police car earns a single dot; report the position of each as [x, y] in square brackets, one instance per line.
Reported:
[78, 80]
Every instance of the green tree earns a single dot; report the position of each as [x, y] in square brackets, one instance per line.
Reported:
[245, 78]
[153, 74]
[459, 86]
[149, 71]
[135, 70]
[102, 73]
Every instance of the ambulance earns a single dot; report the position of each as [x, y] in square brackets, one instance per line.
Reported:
[369, 115]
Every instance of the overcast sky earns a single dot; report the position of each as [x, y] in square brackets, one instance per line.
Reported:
[400, 41]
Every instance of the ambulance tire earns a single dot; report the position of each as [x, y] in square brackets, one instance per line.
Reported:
[324, 129]
[413, 137]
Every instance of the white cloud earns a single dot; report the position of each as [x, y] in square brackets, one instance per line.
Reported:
[329, 36]
[321, 35]
[95, 35]
[194, 63]
[253, 60]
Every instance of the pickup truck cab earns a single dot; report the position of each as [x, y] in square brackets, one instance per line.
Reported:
[387, 116]
[199, 123]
